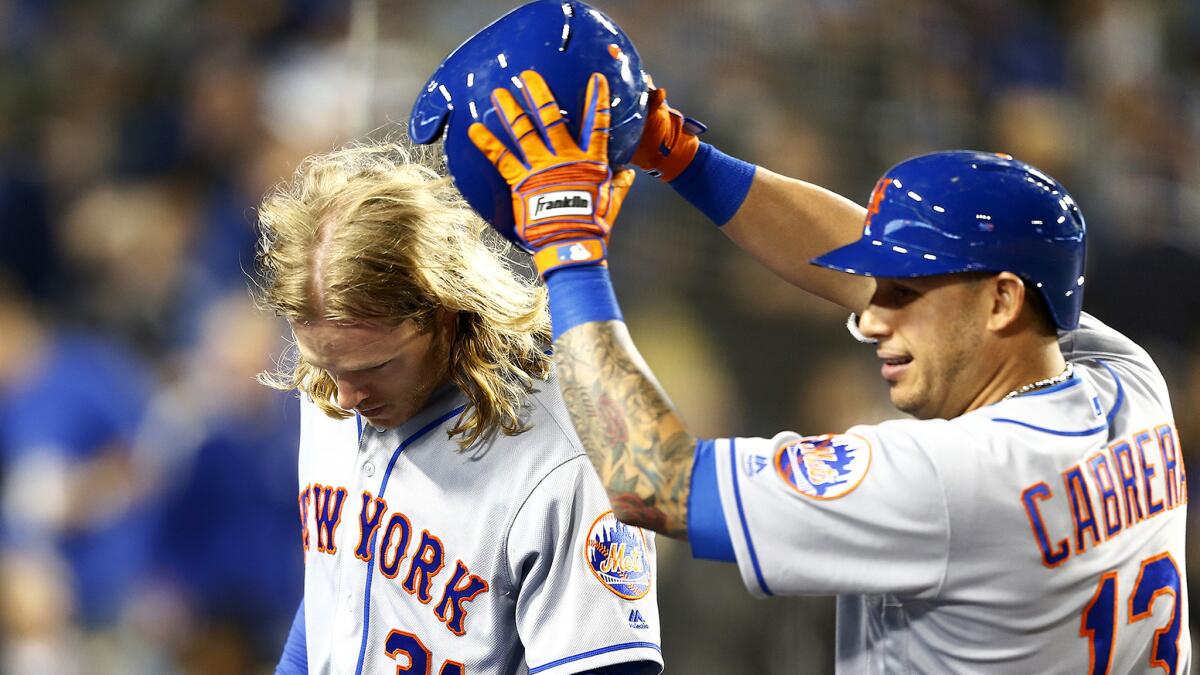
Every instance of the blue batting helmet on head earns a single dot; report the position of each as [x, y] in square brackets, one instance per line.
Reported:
[964, 211]
[565, 41]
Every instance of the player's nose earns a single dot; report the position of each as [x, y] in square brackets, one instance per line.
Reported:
[871, 323]
[349, 394]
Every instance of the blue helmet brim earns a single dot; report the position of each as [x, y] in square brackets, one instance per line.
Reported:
[879, 258]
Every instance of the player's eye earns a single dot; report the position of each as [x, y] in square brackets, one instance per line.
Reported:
[372, 369]
[378, 367]
[896, 295]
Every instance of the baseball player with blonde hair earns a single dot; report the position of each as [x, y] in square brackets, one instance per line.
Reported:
[438, 272]
[451, 522]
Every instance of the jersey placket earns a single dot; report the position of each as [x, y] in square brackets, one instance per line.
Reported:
[371, 456]
[352, 607]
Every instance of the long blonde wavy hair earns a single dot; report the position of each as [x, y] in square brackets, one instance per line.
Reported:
[397, 242]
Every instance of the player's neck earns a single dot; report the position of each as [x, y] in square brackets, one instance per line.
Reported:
[1039, 363]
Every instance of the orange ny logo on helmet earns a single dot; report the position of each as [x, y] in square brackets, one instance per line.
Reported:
[881, 187]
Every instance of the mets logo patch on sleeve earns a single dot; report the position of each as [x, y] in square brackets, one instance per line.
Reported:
[824, 467]
[616, 554]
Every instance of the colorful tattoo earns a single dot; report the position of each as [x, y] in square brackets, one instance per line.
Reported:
[628, 426]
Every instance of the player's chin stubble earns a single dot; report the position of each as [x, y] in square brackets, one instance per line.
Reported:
[437, 372]
[917, 396]
[906, 398]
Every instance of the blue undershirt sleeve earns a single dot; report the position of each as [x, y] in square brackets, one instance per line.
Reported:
[294, 660]
[580, 295]
[707, 531]
[715, 183]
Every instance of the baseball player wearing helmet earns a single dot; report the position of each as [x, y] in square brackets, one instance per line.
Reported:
[1031, 518]
[451, 522]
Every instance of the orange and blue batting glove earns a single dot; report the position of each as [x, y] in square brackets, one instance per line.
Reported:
[565, 196]
[669, 140]
[670, 148]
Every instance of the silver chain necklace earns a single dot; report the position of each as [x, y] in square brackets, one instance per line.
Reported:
[1040, 384]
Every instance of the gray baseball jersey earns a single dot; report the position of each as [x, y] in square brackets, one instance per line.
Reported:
[1040, 534]
[502, 559]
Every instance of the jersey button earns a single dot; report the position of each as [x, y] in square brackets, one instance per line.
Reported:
[369, 468]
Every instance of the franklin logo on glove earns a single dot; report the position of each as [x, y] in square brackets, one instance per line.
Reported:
[557, 204]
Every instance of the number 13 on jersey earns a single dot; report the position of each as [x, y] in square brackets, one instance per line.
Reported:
[1159, 575]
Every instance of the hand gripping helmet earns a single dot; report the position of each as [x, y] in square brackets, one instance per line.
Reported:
[565, 41]
[965, 211]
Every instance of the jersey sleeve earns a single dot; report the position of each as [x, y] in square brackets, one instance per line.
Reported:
[586, 594]
[859, 512]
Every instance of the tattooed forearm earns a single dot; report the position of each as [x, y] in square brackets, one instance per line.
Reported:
[629, 428]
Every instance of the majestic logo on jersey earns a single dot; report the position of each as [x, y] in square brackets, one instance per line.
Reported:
[754, 464]
[617, 555]
[824, 467]
[636, 620]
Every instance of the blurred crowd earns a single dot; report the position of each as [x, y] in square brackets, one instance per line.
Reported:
[148, 515]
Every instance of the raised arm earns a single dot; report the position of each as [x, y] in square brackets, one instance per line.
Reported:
[785, 222]
[782, 222]
[633, 436]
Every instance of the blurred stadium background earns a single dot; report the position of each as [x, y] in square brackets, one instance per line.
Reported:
[149, 518]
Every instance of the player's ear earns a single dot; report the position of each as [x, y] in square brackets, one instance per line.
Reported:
[445, 323]
[1008, 298]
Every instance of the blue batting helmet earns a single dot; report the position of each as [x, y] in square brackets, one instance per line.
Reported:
[565, 41]
[964, 211]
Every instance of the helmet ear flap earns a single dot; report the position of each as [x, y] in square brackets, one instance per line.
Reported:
[428, 118]
[1036, 301]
